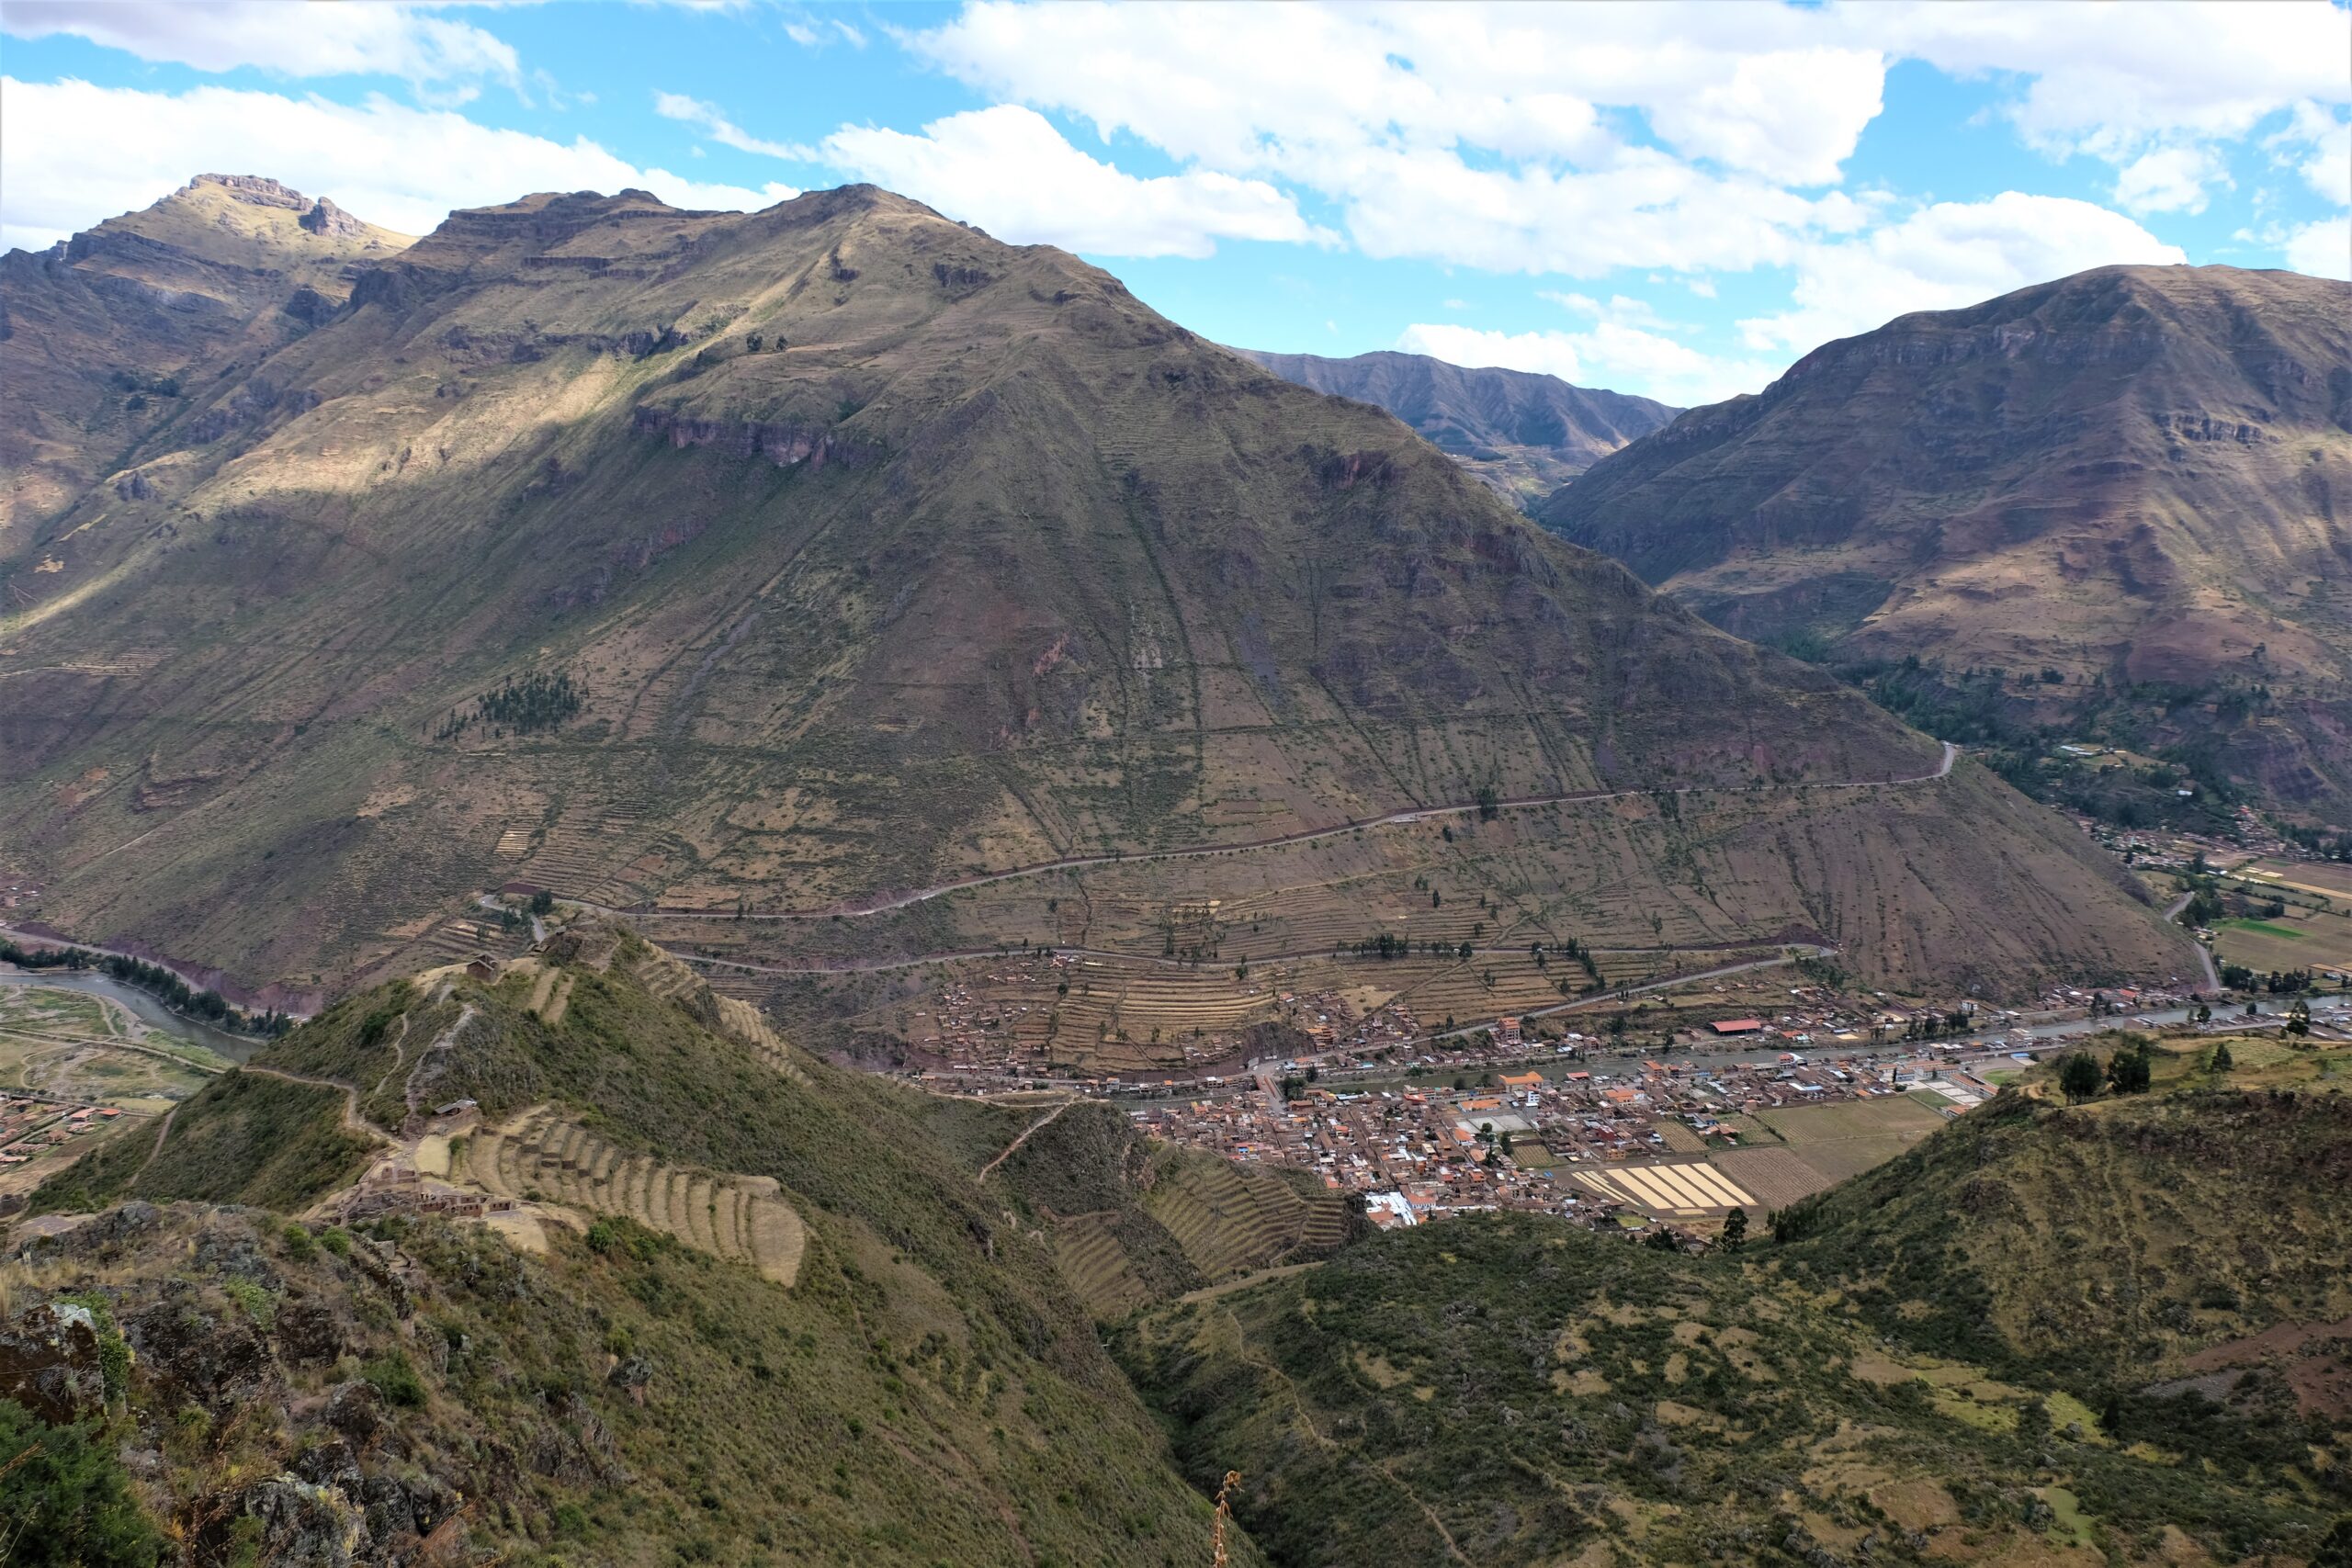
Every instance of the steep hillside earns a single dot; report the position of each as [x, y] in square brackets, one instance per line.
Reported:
[1511, 1390]
[1523, 433]
[112, 340]
[2125, 489]
[618, 1384]
[2109, 1242]
[803, 562]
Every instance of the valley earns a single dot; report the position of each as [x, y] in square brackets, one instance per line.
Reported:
[878, 907]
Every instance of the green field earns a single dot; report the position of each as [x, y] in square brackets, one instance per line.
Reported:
[1850, 1137]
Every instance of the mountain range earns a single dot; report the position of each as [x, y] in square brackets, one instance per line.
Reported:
[2124, 491]
[821, 560]
[1523, 432]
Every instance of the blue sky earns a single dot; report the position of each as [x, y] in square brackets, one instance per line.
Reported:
[1672, 199]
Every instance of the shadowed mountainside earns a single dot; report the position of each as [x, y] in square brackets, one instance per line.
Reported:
[719, 561]
[2135, 478]
[1523, 433]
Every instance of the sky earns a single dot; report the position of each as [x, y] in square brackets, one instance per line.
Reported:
[1672, 199]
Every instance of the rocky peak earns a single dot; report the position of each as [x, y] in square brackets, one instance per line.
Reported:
[253, 189]
[326, 218]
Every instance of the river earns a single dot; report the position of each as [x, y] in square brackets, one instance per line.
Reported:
[140, 1005]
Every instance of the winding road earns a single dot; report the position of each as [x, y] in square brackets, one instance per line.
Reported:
[879, 904]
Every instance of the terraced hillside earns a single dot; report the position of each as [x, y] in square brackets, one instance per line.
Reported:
[540, 1155]
[2121, 494]
[811, 559]
[1135, 1223]
[2046, 1335]
[928, 1389]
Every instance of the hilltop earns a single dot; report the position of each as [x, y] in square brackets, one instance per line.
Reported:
[2043, 1336]
[1523, 432]
[822, 560]
[654, 1283]
[2121, 491]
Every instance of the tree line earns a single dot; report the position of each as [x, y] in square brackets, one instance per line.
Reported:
[206, 1006]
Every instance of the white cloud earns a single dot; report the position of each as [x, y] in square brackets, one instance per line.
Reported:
[1613, 355]
[1485, 135]
[2319, 145]
[292, 40]
[2115, 83]
[72, 154]
[1011, 171]
[2172, 179]
[708, 119]
[1948, 255]
[1704, 288]
[1791, 115]
[2322, 249]
[1747, 90]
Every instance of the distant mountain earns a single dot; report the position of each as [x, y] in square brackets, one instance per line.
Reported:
[110, 337]
[2138, 480]
[1521, 433]
[829, 557]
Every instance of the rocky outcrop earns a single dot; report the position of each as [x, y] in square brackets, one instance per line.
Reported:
[252, 190]
[785, 443]
[326, 218]
[50, 1363]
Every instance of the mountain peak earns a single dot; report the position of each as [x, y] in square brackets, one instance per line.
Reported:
[2127, 478]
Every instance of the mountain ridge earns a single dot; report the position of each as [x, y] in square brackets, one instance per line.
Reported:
[2131, 478]
[705, 561]
[1523, 432]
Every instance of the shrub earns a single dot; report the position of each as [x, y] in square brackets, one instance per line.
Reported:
[65, 1499]
[395, 1379]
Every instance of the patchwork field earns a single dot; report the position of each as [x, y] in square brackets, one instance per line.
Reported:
[74, 1048]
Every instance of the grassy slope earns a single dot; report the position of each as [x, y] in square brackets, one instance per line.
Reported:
[1534, 1391]
[922, 1318]
[2103, 1244]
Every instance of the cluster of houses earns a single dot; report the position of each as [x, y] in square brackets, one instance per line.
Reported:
[1522, 1140]
[32, 1125]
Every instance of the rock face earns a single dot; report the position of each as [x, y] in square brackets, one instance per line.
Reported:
[326, 218]
[873, 553]
[2134, 477]
[1521, 433]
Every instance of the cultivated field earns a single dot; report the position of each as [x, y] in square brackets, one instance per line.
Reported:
[1852, 1136]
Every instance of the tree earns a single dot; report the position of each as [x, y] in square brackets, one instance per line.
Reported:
[1734, 1230]
[65, 1499]
[2130, 1071]
[2078, 1076]
[2299, 1017]
[2221, 1062]
[542, 902]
